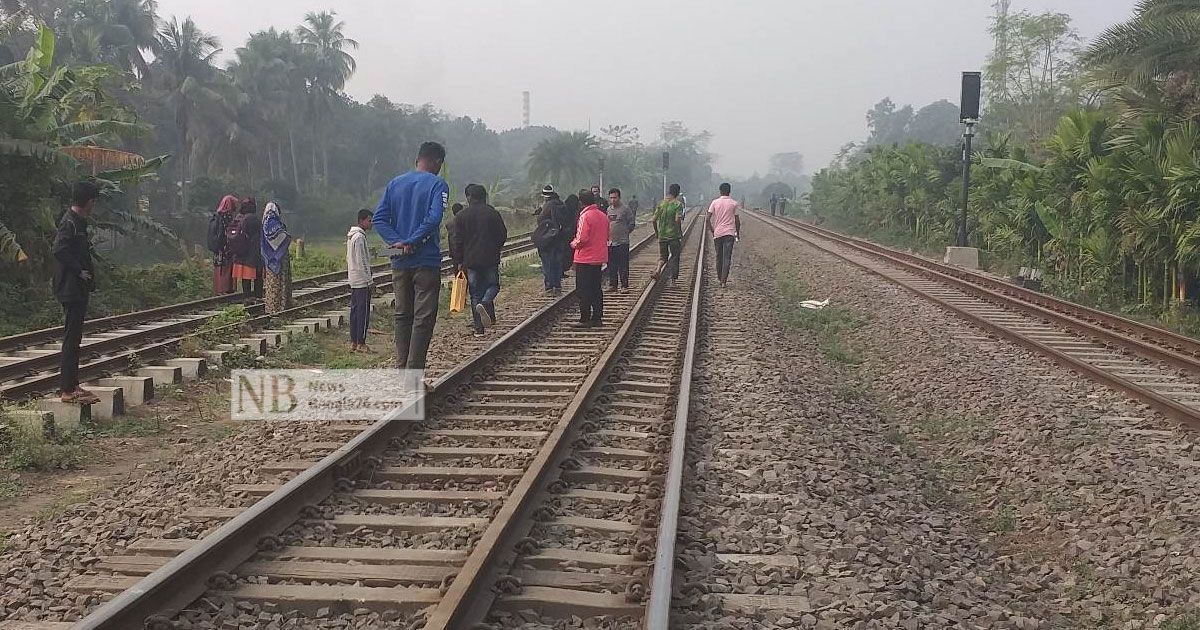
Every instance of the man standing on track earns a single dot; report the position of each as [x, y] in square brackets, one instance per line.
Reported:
[668, 227]
[478, 242]
[358, 273]
[73, 284]
[774, 204]
[591, 253]
[726, 227]
[620, 224]
[783, 206]
[409, 219]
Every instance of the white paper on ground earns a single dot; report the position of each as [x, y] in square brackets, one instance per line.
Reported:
[814, 304]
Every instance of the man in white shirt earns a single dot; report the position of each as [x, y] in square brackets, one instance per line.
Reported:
[358, 269]
[726, 227]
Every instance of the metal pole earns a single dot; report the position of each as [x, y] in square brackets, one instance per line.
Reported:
[966, 185]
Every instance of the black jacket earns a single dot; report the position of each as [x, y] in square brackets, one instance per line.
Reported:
[72, 254]
[479, 235]
[253, 226]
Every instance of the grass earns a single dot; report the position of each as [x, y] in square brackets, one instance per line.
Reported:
[829, 325]
[9, 489]
[1004, 520]
[24, 450]
[518, 270]
[1186, 621]
[64, 502]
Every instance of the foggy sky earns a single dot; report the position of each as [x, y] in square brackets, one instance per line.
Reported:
[764, 76]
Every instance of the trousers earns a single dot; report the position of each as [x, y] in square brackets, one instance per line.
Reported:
[591, 295]
[618, 265]
[552, 269]
[724, 256]
[68, 369]
[669, 252]
[484, 285]
[417, 291]
[360, 314]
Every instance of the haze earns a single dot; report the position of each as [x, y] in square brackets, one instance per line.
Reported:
[763, 76]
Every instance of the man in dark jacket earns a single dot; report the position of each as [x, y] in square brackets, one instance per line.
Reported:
[548, 237]
[479, 236]
[74, 280]
[454, 210]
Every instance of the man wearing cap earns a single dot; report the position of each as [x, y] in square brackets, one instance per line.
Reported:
[551, 237]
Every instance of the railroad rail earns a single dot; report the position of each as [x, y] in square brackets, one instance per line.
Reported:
[28, 361]
[1155, 366]
[419, 517]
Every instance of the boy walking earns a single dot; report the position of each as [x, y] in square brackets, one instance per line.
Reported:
[74, 281]
[668, 227]
[409, 219]
[358, 265]
[726, 227]
[479, 237]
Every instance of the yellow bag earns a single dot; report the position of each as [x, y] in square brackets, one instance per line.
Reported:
[458, 293]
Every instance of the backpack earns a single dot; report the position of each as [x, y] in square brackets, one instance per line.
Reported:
[547, 231]
[216, 233]
[236, 238]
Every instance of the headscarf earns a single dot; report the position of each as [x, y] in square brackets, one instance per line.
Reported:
[228, 205]
[275, 239]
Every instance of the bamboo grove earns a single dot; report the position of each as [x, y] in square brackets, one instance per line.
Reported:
[1106, 200]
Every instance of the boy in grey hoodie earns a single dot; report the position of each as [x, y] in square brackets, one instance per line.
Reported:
[358, 268]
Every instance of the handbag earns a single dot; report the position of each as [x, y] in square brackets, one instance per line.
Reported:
[458, 293]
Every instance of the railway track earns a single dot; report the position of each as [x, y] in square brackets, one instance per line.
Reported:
[1154, 366]
[416, 524]
[29, 361]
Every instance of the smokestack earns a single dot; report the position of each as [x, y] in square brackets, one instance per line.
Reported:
[525, 118]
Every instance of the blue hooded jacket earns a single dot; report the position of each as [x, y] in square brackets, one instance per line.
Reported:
[410, 212]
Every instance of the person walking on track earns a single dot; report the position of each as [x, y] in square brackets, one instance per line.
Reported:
[358, 266]
[774, 204]
[620, 224]
[409, 219]
[591, 253]
[479, 238]
[783, 202]
[668, 227]
[726, 228]
[549, 237]
[74, 280]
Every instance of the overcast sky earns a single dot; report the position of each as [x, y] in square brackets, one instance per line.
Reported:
[764, 76]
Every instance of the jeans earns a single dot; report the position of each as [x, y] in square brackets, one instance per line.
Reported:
[484, 285]
[68, 369]
[552, 269]
[360, 314]
[724, 256]
[669, 252]
[618, 265]
[591, 295]
[417, 291]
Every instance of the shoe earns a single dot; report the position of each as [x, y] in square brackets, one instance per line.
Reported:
[482, 312]
[374, 331]
[558, 292]
[478, 334]
[586, 325]
[624, 289]
[80, 396]
[365, 349]
[490, 307]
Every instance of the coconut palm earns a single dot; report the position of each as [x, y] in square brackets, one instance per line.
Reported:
[322, 38]
[186, 55]
[568, 160]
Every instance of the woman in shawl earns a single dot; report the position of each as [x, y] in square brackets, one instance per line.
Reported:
[247, 261]
[277, 265]
[222, 258]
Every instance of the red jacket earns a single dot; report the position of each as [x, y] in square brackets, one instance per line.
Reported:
[591, 237]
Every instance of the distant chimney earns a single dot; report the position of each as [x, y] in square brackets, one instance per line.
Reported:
[525, 118]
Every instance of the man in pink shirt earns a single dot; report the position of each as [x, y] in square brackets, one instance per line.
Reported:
[726, 227]
[591, 254]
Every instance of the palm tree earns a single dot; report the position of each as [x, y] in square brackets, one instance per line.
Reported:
[568, 160]
[269, 71]
[186, 54]
[322, 37]
[119, 32]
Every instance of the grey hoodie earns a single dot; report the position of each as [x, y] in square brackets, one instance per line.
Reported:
[358, 259]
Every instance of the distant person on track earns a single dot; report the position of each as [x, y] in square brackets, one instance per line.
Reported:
[74, 280]
[591, 254]
[726, 227]
[601, 200]
[783, 202]
[774, 204]
[409, 219]
[358, 272]
[277, 261]
[634, 206]
[620, 224]
[573, 209]
[479, 240]
[246, 246]
[451, 225]
[668, 227]
[218, 226]
[549, 237]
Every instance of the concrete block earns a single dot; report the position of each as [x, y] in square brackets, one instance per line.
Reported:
[230, 347]
[34, 354]
[317, 324]
[33, 421]
[274, 340]
[162, 374]
[67, 416]
[257, 345]
[299, 329]
[192, 367]
[285, 336]
[962, 257]
[216, 357]
[135, 390]
[337, 319]
[112, 401]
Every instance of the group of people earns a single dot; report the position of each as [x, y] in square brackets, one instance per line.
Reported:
[778, 204]
[251, 251]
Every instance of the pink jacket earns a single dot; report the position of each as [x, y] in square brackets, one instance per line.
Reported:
[591, 238]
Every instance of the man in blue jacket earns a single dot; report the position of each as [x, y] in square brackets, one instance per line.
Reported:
[409, 219]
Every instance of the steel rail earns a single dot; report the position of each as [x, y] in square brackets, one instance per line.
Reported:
[470, 597]
[1168, 407]
[518, 243]
[658, 608]
[163, 593]
[1183, 343]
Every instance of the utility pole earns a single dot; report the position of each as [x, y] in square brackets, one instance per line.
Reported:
[601, 176]
[666, 167]
[525, 111]
[966, 181]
